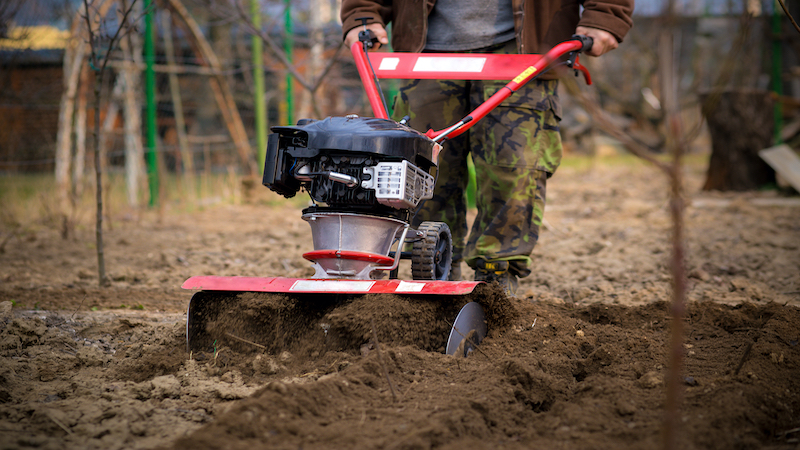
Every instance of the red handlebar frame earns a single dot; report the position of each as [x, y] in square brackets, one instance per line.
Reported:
[520, 69]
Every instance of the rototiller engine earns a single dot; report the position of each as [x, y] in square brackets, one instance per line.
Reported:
[366, 177]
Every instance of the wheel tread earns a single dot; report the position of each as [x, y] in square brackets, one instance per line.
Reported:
[423, 261]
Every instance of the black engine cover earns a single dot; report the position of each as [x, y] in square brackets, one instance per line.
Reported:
[384, 137]
[378, 139]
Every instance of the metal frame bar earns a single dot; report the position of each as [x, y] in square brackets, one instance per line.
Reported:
[520, 69]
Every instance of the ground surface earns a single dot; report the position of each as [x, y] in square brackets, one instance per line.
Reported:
[577, 362]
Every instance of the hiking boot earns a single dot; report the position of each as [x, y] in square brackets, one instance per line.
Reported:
[490, 271]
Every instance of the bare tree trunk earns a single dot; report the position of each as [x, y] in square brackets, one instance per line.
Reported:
[79, 165]
[180, 124]
[676, 145]
[73, 59]
[98, 171]
[134, 149]
[222, 91]
[133, 144]
[112, 112]
[99, 80]
[318, 13]
[740, 123]
[107, 132]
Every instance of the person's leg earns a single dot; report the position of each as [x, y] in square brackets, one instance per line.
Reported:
[438, 104]
[510, 205]
[514, 148]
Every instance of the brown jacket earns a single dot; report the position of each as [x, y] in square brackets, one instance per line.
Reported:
[539, 24]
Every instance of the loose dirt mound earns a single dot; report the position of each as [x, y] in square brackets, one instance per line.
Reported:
[589, 377]
[313, 324]
[577, 362]
[555, 377]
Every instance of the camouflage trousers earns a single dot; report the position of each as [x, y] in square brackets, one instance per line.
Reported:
[514, 149]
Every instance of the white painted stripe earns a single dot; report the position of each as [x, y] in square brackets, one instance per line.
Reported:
[389, 64]
[449, 64]
[331, 286]
[407, 286]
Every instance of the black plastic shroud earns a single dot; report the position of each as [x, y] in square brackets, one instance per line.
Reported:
[381, 139]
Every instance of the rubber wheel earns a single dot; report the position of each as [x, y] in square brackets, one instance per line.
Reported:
[432, 255]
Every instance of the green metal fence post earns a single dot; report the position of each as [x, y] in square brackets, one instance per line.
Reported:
[150, 94]
[288, 45]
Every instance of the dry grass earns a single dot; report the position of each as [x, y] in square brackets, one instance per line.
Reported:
[29, 200]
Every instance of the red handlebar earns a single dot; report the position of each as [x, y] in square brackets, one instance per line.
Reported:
[362, 64]
[460, 66]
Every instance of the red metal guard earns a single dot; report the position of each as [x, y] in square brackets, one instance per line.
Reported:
[328, 286]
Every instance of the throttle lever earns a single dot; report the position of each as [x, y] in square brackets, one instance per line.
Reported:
[366, 36]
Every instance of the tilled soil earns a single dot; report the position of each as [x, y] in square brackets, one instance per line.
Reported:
[577, 361]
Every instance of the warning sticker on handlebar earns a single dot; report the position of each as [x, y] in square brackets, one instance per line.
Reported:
[528, 72]
[389, 64]
[449, 64]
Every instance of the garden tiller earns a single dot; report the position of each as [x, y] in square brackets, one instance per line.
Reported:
[366, 176]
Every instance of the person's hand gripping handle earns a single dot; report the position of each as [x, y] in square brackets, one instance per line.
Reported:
[376, 34]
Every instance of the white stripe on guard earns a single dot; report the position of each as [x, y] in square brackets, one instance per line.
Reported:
[331, 286]
[406, 286]
[389, 64]
[449, 64]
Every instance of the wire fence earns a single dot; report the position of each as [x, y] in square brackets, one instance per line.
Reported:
[626, 86]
